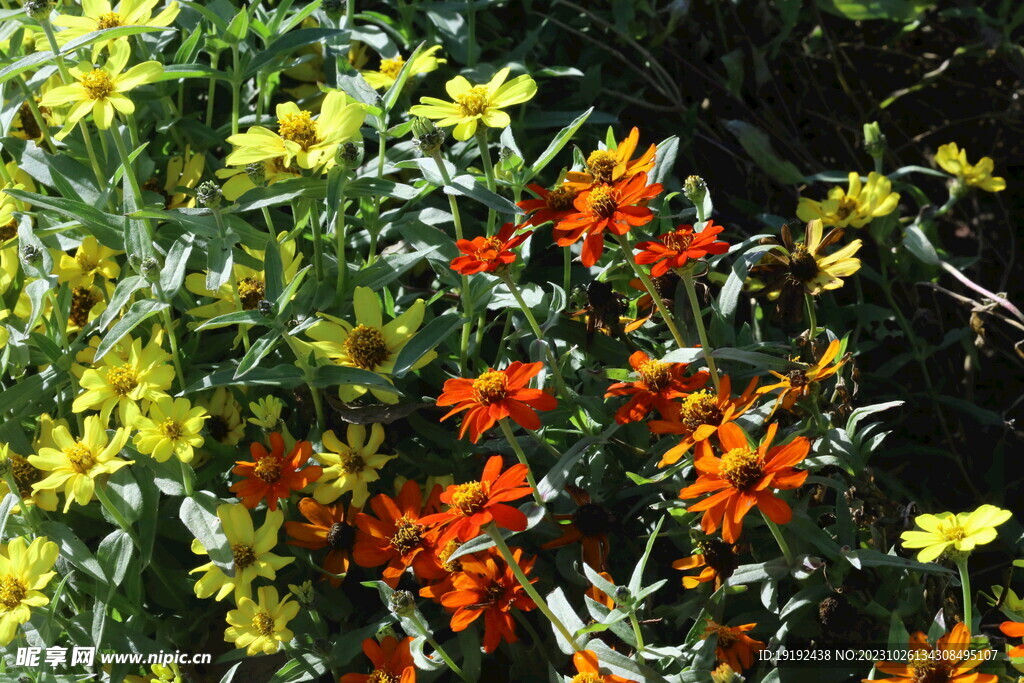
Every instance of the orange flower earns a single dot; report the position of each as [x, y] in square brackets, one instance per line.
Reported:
[397, 537]
[700, 415]
[435, 591]
[589, 670]
[1013, 629]
[944, 662]
[330, 527]
[271, 476]
[589, 525]
[488, 254]
[743, 478]
[553, 205]
[607, 166]
[392, 662]
[797, 383]
[734, 647]
[619, 208]
[488, 587]
[716, 557]
[658, 385]
[674, 249]
[495, 395]
[477, 503]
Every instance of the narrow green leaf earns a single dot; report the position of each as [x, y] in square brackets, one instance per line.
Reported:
[432, 334]
[140, 311]
[560, 140]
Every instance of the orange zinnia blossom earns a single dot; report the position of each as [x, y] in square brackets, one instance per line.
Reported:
[658, 385]
[589, 525]
[330, 527]
[743, 478]
[487, 586]
[700, 415]
[947, 664]
[607, 166]
[674, 249]
[619, 208]
[443, 554]
[270, 475]
[734, 647]
[488, 254]
[797, 383]
[495, 395]
[1013, 629]
[718, 560]
[477, 503]
[588, 670]
[392, 662]
[396, 537]
[553, 205]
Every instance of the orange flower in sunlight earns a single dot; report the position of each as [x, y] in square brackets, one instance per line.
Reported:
[617, 208]
[700, 415]
[607, 166]
[796, 384]
[477, 503]
[674, 249]
[270, 476]
[1013, 629]
[495, 395]
[589, 525]
[443, 553]
[330, 526]
[488, 254]
[944, 662]
[744, 478]
[588, 670]
[392, 662]
[488, 587]
[397, 536]
[734, 647]
[550, 205]
[718, 560]
[658, 385]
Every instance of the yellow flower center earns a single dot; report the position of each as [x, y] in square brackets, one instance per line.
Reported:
[268, 469]
[352, 463]
[263, 623]
[251, 291]
[85, 263]
[602, 201]
[678, 241]
[474, 101]
[82, 301]
[452, 566]
[741, 467]
[12, 591]
[490, 387]
[25, 474]
[98, 84]
[122, 379]
[601, 165]
[407, 535]
[8, 231]
[700, 408]
[382, 676]
[495, 244]
[952, 531]
[109, 20]
[366, 347]
[391, 67]
[299, 128]
[561, 198]
[80, 457]
[171, 429]
[244, 555]
[802, 264]
[469, 498]
[587, 677]
[655, 374]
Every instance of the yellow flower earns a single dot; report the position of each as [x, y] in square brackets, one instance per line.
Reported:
[797, 383]
[425, 62]
[76, 464]
[90, 259]
[350, 466]
[266, 412]
[24, 125]
[144, 376]
[24, 571]
[101, 90]
[20, 180]
[183, 171]
[261, 627]
[24, 474]
[87, 304]
[854, 207]
[159, 673]
[172, 428]
[370, 344]
[946, 532]
[238, 181]
[476, 103]
[303, 592]
[98, 15]
[804, 266]
[310, 142]
[225, 423]
[250, 548]
[953, 160]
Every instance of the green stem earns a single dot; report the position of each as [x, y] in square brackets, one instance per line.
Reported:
[350, 13]
[705, 345]
[485, 158]
[566, 270]
[108, 504]
[232, 279]
[506, 429]
[172, 337]
[339, 229]
[211, 91]
[236, 90]
[812, 317]
[27, 513]
[186, 478]
[637, 634]
[130, 182]
[649, 286]
[965, 585]
[779, 538]
[471, 33]
[437, 647]
[318, 257]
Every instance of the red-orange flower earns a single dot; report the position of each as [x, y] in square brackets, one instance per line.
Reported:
[607, 166]
[396, 537]
[1013, 629]
[488, 587]
[495, 395]
[271, 476]
[658, 385]
[743, 478]
[718, 560]
[674, 249]
[488, 254]
[553, 205]
[588, 670]
[700, 415]
[443, 554]
[944, 662]
[589, 525]
[477, 503]
[617, 208]
[734, 647]
[330, 527]
[392, 662]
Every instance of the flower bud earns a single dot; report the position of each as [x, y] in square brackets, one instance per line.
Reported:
[427, 137]
[38, 9]
[695, 189]
[622, 596]
[30, 254]
[209, 194]
[402, 603]
[150, 268]
[348, 155]
[257, 172]
[874, 140]
[266, 308]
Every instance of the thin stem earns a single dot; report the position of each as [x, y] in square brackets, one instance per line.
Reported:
[318, 257]
[232, 280]
[186, 478]
[649, 286]
[339, 229]
[105, 501]
[236, 90]
[965, 585]
[211, 91]
[172, 337]
[350, 13]
[705, 345]
[636, 633]
[485, 158]
[566, 270]
[779, 538]
[471, 31]
[812, 317]
[131, 182]
[437, 647]
[506, 429]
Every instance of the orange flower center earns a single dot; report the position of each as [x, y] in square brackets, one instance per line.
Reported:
[251, 291]
[340, 536]
[391, 67]
[268, 469]
[25, 474]
[80, 458]
[299, 128]
[474, 101]
[727, 637]
[720, 556]
[109, 20]
[171, 429]
[741, 467]
[700, 408]
[382, 676]
[12, 591]
[802, 264]
[407, 535]
[602, 201]
[122, 379]
[601, 164]
[82, 301]
[244, 555]
[263, 624]
[366, 347]
[469, 498]
[927, 670]
[97, 84]
[451, 566]
[655, 374]
[797, 379]
[587, 677]
[494, 243]
[679, 241]
[561, 198]
[490, 387]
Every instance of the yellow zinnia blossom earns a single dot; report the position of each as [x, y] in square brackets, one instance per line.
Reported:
[266, 412]
[855, 207]
[250, 548]
[225, 423]
[25, 569]
[953, 160]
[159, 673]
[238, 181]
[98, 15]
[949, 533]
[425, 62]
[172, 428]
[370, 344]
[75, 464]
[183, 171]
[20, 180]
[87, 304]
[476, 103]
[262, 626]
[350, 466]
[797, 383]
[310, 142]
[24, 474]
[90, 259]
[101, 90]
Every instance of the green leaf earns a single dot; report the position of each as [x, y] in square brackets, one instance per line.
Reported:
[758, 145]
[73, 549]
[10, 500]
[432, 334]
[122, 292]
[379, 187]
[175, 264]
[108, 229]
[638, 572]
[219, 261]
[115, 556]
[893, 10]
[392, 94]
[283, 376]
[199, 514]
[759, 360]
[387, 269]
[917, 243]
[866, 557]
[560, 140]
[257, 352]
[335, 375]
[140, 311]
[467, 186]
[235, 318]
[238, 27]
